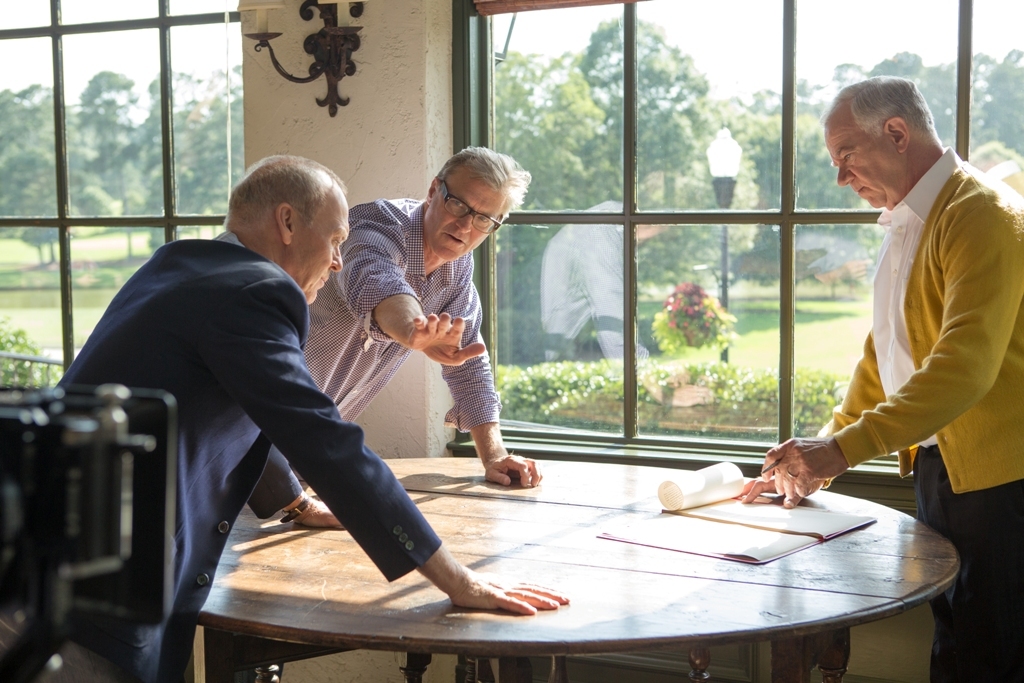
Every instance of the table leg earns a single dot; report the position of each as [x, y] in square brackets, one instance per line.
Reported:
[833, 661]
[793, 658]
[484, 673]
[700, 660]
[219, 647]
[515, 670]
[268, 674]
[415, 666]
[559, 673]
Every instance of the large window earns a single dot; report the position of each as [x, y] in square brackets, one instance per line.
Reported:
[120, 129]
[645, 296]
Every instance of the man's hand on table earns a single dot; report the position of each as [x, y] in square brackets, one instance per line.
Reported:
[312, 512]
[499, 465]
[467, 588]
[509, 468]
[804, 465]
[491, 592]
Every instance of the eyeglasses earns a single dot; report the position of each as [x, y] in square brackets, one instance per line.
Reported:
[459, 208]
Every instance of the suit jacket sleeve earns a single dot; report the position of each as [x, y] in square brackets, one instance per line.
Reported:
[276, 488]
[254, 349]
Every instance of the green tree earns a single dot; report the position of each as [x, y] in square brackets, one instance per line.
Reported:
[547, 120]
[674, 122]
[999, 99]
[200, 130]
[27, 170]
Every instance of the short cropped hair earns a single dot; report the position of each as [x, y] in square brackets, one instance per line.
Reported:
[878, 99]
[300, 182]
[499, 171]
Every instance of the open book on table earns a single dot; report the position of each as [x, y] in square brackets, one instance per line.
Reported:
[703, 517]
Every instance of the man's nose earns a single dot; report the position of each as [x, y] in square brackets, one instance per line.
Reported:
[465, 223]
[336, 260]
[843, 177]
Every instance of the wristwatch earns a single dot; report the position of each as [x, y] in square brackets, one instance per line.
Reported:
[297, 511]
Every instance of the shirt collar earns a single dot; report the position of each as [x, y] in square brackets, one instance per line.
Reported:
[922, 196]
[229, 237]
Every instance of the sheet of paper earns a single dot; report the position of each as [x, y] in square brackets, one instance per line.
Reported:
[714, 539]
[766, 515]
[693, 489]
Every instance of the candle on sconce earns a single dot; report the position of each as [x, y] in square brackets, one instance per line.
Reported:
[261, 7]
[340, 11]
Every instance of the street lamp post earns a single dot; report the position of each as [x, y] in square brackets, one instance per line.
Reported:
[724, 162]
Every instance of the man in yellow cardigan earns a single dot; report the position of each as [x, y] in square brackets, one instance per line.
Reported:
[942, 376]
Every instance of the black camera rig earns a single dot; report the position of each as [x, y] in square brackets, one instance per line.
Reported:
[87, 510]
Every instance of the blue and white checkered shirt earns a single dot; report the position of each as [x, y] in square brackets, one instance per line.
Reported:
[350, 357]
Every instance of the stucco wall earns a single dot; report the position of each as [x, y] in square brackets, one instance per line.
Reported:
[389, 141]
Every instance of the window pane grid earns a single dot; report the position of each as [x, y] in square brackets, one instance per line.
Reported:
[82, 234]
[837, 292]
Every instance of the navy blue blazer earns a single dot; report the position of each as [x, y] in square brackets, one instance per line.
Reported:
[222, 329]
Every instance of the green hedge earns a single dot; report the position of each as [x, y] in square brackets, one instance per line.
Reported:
[583, 394]
[19, 373]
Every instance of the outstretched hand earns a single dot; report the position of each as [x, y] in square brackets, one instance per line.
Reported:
[440, 338]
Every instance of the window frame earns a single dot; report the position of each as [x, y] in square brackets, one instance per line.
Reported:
[64, 221]
[670, 451]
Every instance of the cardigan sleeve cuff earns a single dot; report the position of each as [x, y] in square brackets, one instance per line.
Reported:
[858, 443]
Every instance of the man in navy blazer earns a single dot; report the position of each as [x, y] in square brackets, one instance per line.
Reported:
[221, 326]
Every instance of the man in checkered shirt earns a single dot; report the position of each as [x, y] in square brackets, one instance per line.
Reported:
[407, 285]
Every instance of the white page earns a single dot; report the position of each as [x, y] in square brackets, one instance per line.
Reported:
[702, 537]
[799, 520]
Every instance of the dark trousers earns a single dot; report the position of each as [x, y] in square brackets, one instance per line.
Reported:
[979, 621]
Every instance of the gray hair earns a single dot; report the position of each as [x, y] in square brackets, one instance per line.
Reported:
[300, 182]
[499, 171]
[878, 99]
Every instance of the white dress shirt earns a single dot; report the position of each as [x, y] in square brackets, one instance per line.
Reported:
[903, 227]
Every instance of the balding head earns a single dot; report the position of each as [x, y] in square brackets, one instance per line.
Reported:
[292, 211]
[302, 183]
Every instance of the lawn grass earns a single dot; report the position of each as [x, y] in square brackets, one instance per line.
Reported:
[30, 291]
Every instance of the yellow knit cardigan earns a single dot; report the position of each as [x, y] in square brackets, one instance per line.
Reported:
[964, 309]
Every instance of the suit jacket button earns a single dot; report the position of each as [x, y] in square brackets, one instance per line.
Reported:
[397, 530]
[203, 579]
[409, 545]
[223, 527]
[403, 538]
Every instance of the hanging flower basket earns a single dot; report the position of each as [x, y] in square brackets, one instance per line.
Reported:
[692, 319]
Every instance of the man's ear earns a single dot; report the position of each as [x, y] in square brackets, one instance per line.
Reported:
[435, 184]
[284, 221]
[897, 132]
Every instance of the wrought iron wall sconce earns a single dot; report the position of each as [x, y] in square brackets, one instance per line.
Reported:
[331, 47]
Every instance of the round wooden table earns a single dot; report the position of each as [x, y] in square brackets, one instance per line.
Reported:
[284, 592]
